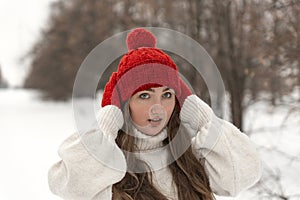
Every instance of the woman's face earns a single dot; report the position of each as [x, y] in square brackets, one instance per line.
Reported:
[151, 109]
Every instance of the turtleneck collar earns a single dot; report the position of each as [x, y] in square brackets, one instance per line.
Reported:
[148, 142]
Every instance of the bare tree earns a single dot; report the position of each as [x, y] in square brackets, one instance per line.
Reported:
[3, 83]
[255, 44]
[0, 75]
[248, 42]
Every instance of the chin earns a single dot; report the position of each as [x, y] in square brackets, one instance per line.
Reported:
[151, 131]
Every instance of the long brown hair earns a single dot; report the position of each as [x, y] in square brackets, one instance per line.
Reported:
[188, 172]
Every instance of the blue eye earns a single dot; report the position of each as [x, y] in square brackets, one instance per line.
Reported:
[144, 96]
[167, 95]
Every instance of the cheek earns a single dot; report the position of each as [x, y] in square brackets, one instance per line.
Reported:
[170, 109]
[139, 115]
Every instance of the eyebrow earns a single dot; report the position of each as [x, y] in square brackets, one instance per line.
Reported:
[166, 89]
[151, 90]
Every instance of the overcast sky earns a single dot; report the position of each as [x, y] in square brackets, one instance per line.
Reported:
[21, 22]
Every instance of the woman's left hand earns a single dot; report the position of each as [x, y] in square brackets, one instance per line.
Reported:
[195, 112]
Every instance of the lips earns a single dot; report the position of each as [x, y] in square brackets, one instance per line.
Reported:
[155, 121]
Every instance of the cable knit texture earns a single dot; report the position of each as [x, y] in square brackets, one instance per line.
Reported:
[144, 66]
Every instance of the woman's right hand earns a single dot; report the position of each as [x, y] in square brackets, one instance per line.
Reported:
[110, 120]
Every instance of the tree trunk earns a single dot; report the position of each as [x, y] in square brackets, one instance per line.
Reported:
[237, 110]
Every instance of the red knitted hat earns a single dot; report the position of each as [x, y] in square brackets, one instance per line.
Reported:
[143, 67]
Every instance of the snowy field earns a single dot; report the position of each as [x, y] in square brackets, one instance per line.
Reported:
[31, 131]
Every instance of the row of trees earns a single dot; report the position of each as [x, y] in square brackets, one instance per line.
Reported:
[255, 44]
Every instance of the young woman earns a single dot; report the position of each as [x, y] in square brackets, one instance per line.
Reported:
[156, 140]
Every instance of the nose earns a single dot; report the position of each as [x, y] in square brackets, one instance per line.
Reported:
[157, 109]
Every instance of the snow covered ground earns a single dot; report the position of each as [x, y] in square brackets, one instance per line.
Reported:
[31, 131]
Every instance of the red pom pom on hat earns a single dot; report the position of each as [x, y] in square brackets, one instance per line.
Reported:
[140, 37]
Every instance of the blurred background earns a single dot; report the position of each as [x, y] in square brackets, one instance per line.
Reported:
[255, 45]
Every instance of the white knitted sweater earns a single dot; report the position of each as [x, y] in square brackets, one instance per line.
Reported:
[231, 160]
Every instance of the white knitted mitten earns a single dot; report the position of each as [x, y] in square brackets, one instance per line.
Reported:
[195, 112]
[110, 120]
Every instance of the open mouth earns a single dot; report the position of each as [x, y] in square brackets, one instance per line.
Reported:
[155, 121]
